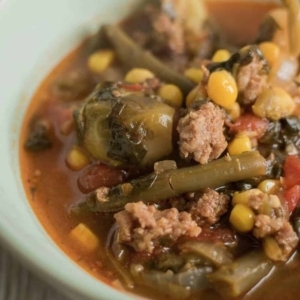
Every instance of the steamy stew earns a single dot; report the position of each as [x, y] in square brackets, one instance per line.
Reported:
[162, 155]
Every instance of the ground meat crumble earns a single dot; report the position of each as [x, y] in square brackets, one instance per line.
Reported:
[251, 79]
[201, 133]
[142, 226]
[209, 206]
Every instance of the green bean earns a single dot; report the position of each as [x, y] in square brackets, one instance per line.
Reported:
[159, 186]
[242, 275]
[214, 253]
[134, 56]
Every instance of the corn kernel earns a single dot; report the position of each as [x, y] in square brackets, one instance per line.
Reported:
[99, 61]
[77, 159]
[243, 197]
[239, 145]
[234, 111]
[269, 186]
[198, 93]
[171, 94]
[138, 75]
[274, 103]
[222, 88]
[242, 218]
[194, 74]
[221, 55]
[273, 250]
[270, 51]
[84, 237]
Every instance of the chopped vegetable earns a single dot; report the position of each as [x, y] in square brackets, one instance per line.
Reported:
[120, 124]
[240, 144]
[126, 49]
[222, 89]
[171, 95]
[84, 237]
[215, 254]
[237, 278]
[270, 51]
[76, 159]
[38, 138]
[242, 218]
[269, 186]
[138, 75]
[274, 104]
[99, 61]
[194, 74]
[221, 55]
[179, 285]
[234, 111]
[156, 187]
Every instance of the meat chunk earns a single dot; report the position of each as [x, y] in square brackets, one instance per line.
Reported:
[251, 79]
[201, 133]
[178, 27]
[264, 225]
[280, 229]
[209, 207]
[287, 238]
[142, 226]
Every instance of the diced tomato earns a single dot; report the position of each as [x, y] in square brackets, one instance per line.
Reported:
[291, 169]
[292, 197]
[134, 87]
[223, 235]
[250, 122]
[99, 175]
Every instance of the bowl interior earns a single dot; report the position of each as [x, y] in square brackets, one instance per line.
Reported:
[35, 36]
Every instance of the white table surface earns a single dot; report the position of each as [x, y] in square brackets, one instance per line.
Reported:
[17, 283]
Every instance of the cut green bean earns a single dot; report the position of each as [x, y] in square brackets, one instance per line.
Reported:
[135, 57]
[159, 186]
[242, 275]
[216, 254]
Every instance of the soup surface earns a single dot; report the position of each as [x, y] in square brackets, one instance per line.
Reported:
[161, 155]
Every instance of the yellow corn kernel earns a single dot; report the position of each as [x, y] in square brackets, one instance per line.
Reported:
[269, 186]
[138, 75]
[242, 218]
[99, 61]
[243, 197]
[77, 159]
[240, 144]
[198, 93]
[234, 111]
[270, 51]
[273, 250]
[171, 94]
[222, 89]
[274, 103]
[221, 55]
[194, 74]
[84, 237]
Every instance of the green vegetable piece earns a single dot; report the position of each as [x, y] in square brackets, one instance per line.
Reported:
[158, 186]
[216, 254]
[177, 285]
[121, 125]
[127, 49]
[242, 275]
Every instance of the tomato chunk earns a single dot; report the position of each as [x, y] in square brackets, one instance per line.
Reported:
[292, 197]
[291, 169]
[250, 122]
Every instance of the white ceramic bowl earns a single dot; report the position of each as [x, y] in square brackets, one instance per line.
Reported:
[34, 36]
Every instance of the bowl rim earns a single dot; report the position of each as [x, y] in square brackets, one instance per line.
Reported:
[81, 285]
